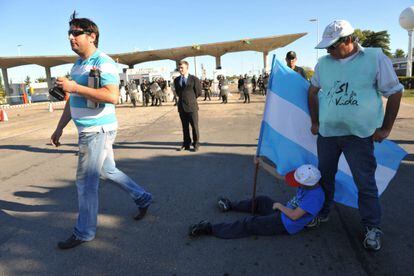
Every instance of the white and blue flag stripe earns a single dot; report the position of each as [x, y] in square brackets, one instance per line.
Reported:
[285, 136]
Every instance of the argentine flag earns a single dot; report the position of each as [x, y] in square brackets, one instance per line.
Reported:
[286, 140]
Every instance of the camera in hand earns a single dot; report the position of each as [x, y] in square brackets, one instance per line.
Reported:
[57, 93]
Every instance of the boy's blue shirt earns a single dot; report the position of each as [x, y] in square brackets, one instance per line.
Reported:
[309, 200]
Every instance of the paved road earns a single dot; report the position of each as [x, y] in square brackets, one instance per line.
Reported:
[38, 204]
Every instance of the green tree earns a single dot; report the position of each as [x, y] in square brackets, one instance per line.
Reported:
[309, 72]
[1, 83]
[378, 39]
[27, 81]
[360, 35]
[41, 79]
[2, 92]
[368, 38]
[399, 53]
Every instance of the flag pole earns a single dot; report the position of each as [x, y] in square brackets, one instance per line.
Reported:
[259, 144]
[254, 186]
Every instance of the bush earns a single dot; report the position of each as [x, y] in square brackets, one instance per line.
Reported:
[408, 82]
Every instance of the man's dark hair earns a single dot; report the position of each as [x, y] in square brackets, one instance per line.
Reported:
[85, 24]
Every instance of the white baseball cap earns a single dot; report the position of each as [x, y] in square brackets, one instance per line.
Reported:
[333, 32]
[306, 175]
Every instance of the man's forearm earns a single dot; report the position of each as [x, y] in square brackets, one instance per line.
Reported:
[391, 110]
[65, 118]
[288, 212]
[313, 104]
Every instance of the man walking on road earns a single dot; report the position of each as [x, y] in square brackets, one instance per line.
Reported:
[347, 115]
[93, 112]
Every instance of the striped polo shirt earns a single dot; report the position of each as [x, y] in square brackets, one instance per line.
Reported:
[94, 119]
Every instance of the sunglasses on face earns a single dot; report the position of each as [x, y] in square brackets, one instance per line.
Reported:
[76, 33]
[336, 44]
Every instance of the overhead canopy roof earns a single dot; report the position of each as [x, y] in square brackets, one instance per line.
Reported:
[264, 44]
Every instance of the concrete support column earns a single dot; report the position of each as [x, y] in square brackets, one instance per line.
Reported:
[265, 63]
[218, 62]
[131, 66]
[177, 64]
[48, 77]
[6, 81]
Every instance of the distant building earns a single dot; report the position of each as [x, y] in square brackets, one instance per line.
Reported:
[144, 74]
[400, 66]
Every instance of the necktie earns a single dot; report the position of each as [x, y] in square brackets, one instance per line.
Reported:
[182, 81]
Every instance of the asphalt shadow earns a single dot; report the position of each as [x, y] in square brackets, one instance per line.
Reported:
[171, 145]
[185, 190]
[49, 149]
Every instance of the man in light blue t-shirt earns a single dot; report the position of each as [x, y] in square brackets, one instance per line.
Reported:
[345, 104]
[92, 108]
[273, 218]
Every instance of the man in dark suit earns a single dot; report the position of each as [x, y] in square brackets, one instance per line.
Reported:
[188, 88]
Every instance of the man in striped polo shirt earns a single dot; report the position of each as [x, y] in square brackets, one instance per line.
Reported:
[93, 112]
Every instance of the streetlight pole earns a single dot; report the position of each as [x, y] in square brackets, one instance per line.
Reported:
[18, 49]
[410, 54]
[195, 66]
[317, 35]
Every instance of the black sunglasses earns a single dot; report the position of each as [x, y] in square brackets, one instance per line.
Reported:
[76, 33]
[337, 43]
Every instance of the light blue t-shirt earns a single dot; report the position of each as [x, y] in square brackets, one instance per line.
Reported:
[309, 200]
[349, 100]
[94, 119]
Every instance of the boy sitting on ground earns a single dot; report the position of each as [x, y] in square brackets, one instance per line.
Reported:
[272, 217]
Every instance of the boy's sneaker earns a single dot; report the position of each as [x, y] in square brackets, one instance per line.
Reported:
[224, 204]
[201, 228]
[323, 218]
[317, 221]
[313, 223]
[372, 239]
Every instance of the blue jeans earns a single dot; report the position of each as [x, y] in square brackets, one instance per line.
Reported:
[267, 222]
[96, 158]
[359, 153]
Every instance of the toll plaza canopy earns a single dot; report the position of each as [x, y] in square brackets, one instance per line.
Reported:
[264, 45]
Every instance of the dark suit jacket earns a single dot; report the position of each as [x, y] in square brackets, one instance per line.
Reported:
[187, 96]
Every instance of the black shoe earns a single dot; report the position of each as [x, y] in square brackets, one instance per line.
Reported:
[201, 228]
[224, 204]
[70, 243]
[196, 148]
[141, 213]
[183, 148]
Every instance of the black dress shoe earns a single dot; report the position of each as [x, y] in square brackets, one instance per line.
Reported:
[141, 213]
[183, 148]
[70, 243]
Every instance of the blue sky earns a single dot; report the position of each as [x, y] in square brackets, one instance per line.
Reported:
[41, 27]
